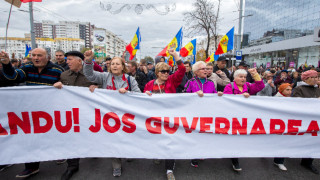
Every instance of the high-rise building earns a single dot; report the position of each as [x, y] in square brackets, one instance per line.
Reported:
[85, 30]
[68, 29]
[18, 45]
[280, 32]
[65, 29]
[115, 46]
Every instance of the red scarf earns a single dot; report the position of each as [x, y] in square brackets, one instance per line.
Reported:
[282, 94]
[123, 78]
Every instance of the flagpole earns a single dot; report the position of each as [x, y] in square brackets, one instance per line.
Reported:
[139, 43]
[5, 49]
[33, 38]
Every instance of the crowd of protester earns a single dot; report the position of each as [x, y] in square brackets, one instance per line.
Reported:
[76, 69]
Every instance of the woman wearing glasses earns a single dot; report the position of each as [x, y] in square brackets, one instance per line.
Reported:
[199, 83]
[166, 83]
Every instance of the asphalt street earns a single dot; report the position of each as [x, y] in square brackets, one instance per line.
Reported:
[145, 169]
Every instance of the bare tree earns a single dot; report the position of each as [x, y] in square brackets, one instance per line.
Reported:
[204, 20]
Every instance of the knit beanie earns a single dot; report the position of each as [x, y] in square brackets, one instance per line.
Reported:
[283, 86]
[307, 74]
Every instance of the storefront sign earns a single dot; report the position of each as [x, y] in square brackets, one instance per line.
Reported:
[268, 64]
[291, 64]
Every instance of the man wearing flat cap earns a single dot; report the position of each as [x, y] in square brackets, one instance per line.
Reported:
[73, 77]
[221, 65]
[243, 65]
[283, 78]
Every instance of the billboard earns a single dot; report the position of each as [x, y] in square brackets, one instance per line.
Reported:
[100, 50]
[99, 37]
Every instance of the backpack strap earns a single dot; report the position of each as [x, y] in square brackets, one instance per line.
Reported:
[232, 85]
[129, 83]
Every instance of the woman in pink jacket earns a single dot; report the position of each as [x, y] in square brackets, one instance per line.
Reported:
[240, 86]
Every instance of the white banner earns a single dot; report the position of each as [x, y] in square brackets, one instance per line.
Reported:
[44, 123]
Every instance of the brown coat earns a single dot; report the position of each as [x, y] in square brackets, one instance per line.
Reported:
[71, 78]
[306, 91]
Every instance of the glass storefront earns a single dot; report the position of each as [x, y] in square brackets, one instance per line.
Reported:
[308, 55]
[276, 20]
[270, 21]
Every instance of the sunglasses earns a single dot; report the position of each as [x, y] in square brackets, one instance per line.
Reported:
[165, 71]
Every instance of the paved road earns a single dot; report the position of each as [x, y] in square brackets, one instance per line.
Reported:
[141, 169]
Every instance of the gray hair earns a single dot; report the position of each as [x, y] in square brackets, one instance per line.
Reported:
[239, 72]
[266, 73]
[195, 67]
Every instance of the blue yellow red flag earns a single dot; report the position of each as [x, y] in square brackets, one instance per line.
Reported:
[212, 57]
[174, 44]
[189, 49]
[134, 45]
[226, 43]
[28, 49]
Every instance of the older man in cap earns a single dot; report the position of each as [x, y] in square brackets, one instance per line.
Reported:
[243, 65]
[283, 78]
[39, 72]
[73, 77]
[221, 65]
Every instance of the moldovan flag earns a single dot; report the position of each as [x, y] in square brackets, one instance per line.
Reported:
[26, 1]
[28, 49]
[189, 49]
[226, 43]
[212, 57]
[134, 45]
[174, 44]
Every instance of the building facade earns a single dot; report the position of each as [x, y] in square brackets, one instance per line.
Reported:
[65, 29]
[281, 32]
[115, 46]
[18, 45]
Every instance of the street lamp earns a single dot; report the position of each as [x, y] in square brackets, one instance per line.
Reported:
[240, 24]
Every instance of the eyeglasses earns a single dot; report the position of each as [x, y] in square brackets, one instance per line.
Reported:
[165, 71]
[202, 69]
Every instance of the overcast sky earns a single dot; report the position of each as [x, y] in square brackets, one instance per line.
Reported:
[156, 30]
